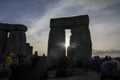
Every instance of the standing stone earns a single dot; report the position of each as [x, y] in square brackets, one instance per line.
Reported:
[80, 45]
[29, 49]
[3, 40]
[80, 49]
[16, 42]
[56, 46]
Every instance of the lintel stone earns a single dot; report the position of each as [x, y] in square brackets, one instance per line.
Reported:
[12, 27]
[70, 22]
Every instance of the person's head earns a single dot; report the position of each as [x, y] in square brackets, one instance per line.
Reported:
[36, 53]
[111, 68]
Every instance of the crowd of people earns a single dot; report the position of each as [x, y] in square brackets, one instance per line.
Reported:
[11, 64]
[107, 67]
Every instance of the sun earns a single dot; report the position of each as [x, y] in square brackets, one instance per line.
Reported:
[67, 43]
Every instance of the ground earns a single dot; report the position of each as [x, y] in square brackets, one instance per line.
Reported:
[81, 75]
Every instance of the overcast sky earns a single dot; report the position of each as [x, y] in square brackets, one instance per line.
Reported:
[36, 14]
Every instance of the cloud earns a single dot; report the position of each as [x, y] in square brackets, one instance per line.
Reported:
[71, 8]
[36, 14]
[97, 5]
[103, 53]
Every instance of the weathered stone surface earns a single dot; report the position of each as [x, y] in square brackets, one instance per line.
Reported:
[29, 49]
[70, 22]
[56, 43]
[3, 40]
[80, 45]
[16, 42]
[12, 27]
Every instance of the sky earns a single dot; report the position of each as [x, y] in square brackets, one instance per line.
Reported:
[36, 14]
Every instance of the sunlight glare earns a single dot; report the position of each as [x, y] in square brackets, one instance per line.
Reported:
[67, 43]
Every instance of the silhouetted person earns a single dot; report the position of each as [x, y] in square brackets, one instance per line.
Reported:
[110, 70]
[96, 64]
[87, 65]
[107, 58]
[38, 68]
[62, 67]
